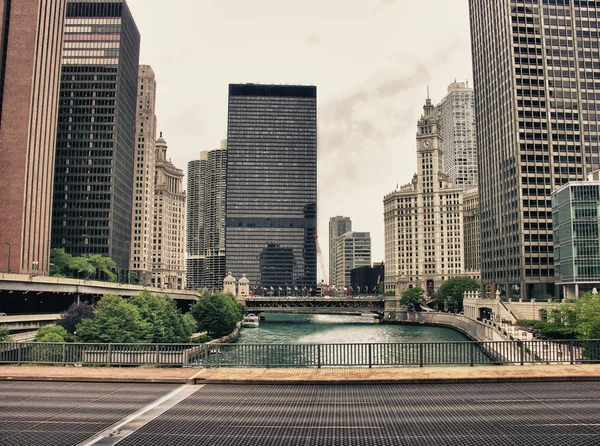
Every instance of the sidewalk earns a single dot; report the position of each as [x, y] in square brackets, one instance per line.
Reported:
[396, 375]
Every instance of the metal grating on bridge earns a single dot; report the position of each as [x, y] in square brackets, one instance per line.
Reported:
[532, 414]
[67, 413]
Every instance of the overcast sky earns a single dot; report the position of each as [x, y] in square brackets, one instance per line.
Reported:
[371, 61]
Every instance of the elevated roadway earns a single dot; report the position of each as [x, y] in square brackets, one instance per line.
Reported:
[315, 305]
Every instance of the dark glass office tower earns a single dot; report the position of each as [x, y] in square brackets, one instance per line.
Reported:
[272, 185]
[96, 131]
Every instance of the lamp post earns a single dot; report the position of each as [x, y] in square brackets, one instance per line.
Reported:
[8, 257]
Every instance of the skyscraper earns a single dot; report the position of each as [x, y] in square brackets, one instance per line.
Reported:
[534, 66]
[205, 243]
[143, 186]
[271, 205]
[353, 251]
[338, 226]
[168, 244]
[31, 41]
[456, 117]
[423, 220]
[95, 147]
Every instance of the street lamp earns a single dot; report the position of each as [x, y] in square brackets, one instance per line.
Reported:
[8, 256]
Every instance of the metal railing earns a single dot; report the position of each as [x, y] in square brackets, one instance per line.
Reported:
[305, 355]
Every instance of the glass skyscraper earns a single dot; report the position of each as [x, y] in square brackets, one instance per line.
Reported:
[95, 146]
[537, 96]
[271, 210]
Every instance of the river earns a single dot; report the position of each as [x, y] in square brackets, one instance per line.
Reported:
[335, 329]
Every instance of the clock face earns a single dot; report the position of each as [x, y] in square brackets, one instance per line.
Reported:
[426, 143]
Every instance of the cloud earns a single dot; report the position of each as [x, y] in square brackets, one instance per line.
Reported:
[313, 39]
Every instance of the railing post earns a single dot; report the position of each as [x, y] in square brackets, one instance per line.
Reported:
[571, 352]
[206, 353]
[370, 355]
[64, 353]
[318, 356]
[157, 355]
[20, 354]
[421, 354]
[471, 348]
[109, 354]
[522, 351]
[267, 347]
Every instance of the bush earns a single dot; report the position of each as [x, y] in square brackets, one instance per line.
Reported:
[217, 314]
[4, 334]
[202, 339]
[52, 333]
[71, 318]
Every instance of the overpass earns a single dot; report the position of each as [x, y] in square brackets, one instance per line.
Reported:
[23, 293]
[315, 305]
[23, 322]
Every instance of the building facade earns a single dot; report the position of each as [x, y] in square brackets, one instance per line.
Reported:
[368, 279]
[576, 237]
[456, 116]
[143, 187]
[31, 43]
[423, 220]
[168, 246]
[536, 101]
[271, 207]
[205, 243]
[353, 250]
[338, 226]
[472, 233]
[95, 147]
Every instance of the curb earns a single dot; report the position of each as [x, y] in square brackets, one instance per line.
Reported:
[97, 380]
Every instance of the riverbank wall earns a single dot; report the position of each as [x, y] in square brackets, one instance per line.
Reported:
[475, 330]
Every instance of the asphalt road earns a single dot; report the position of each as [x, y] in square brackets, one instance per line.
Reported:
[529, 414]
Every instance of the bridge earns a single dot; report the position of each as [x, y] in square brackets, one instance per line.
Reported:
[315, 305]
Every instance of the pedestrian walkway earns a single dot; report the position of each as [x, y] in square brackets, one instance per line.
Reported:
[399, 375]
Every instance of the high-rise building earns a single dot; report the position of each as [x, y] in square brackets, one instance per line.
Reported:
[31, 42]
[95, 148]
[338, 226]
[576, 223]
[272, 184]
[456, 116]
[423, 220]
[536, 98]
[205, 243]
[140, 262]
[168, 246]
[353, 250]
[472, 232]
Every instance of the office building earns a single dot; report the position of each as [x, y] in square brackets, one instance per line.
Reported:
[271, 205]
[368, 279]
[423, 220]
[338, 226]
[576, 237]
[205, 243]
[140, 263]
[472, 233]
[168, 245]
[353, 250]
[456, 117]
[536, 98]
[31, 37]
[95, 148]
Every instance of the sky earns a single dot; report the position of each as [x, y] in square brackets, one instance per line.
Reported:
[371, 60]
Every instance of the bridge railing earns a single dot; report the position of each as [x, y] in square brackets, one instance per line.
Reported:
[304, 355]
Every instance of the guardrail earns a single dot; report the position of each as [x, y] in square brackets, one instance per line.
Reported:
[304, 355]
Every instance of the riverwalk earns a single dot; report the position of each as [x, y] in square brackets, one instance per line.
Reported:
[395, 375]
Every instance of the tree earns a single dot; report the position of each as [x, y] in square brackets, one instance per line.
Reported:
[104, 266]
[59, 261]
[451, 292]
[190, 323]
[79, 266]
[217, 313]
[4, 334]
[52, 333]
[412, 298]
[115, 320]
[583, 314]
[74, 315]
[165, 322]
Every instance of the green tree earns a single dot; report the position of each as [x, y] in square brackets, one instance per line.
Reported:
[190, 323]
[52, 333]
[4, 334]
[115, 320]
[583, 314]
[59, 263]
[451, 292]
[80, 267]
[74, 315]
[104, 266]
[165, 321]
[412, 298]
[217, 314]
